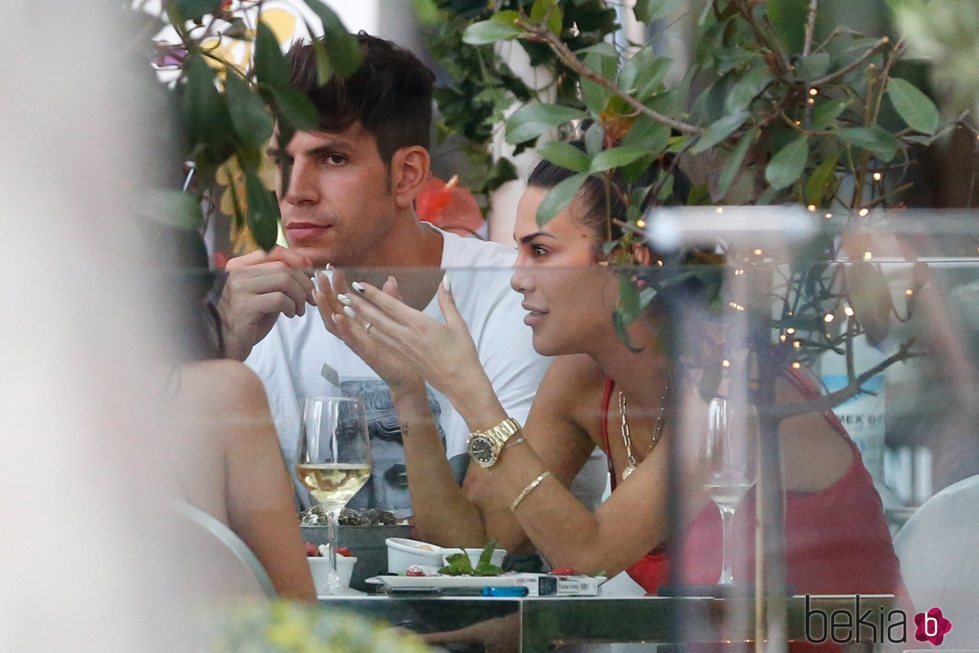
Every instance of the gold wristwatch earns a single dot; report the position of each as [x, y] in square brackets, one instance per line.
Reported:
[485, 446]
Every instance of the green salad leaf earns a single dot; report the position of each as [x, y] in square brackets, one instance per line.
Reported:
[459, 564]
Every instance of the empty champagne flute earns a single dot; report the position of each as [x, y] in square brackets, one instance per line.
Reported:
[334, 460]
[728, 450]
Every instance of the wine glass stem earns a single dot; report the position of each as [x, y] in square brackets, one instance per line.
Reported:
[727, 520]
[333, 582]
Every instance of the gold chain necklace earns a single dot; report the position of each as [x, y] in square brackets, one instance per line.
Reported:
[631, 463]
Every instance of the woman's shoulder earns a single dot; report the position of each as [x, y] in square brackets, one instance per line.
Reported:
[224, 384]
[571, 382]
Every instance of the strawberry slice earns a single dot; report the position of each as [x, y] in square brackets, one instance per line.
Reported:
[564, 571]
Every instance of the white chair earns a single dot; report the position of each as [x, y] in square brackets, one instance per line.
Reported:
[939, 552]
[225, 566]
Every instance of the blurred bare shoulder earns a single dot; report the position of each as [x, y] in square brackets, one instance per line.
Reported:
[224, 386]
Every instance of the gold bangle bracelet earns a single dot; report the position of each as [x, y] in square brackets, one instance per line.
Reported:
[530, 488]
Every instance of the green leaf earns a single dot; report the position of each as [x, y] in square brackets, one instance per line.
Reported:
[271, 67]
[616, 157]
[648, 135]
[826, 112]
[324, 67]
[459, 564]
[565, 155]
[251, 120]
[263, 211]
[596, 97]
[881, 143]
[294, 108]
[342, 46]
[814, 66]
[205, 107]
[534, 119]
[647, 11]
[915, 108]
[734, 161]
[629, 304]
[788, 18]
[747, 88]
[427, 12]
[870, 299]
[595, 138]
[821, 184]
[787, 166]
[558, 198]
[487, 553]
[644, 72]
[195, 9]
[549, 10]
[719, 130]
[501, 27]
[620, 324]
[172, 207]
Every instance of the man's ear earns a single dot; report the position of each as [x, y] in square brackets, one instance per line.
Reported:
[409, 168]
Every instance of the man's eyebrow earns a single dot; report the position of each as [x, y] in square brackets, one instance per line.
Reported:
[529, 237]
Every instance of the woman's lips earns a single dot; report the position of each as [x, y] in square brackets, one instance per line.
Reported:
[534, 316]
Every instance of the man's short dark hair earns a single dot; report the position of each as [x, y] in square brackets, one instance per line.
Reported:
[390, 94]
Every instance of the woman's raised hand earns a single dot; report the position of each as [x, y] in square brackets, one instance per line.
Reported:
[442, 354]
[334, 301]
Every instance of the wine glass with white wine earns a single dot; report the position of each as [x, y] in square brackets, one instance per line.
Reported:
[334, 460]
[728, 451]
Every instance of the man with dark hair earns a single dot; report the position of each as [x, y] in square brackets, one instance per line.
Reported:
[349, 204]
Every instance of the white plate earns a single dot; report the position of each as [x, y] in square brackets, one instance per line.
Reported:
[425, 582]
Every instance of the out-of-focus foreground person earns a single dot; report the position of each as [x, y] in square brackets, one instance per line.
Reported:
[86, 556]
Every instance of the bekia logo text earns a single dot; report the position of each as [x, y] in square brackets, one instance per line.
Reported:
[877, 625]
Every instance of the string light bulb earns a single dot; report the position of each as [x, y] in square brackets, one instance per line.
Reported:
[641, 223]
[725, 363]
[828, 318]
[867, 256]
[848, 311]
[814, 92]
[796, 365]
[877, 176]
[863, 212]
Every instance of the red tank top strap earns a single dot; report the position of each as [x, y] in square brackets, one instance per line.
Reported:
[606, 402]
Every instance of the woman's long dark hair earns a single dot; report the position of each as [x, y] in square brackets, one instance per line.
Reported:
[179, 260]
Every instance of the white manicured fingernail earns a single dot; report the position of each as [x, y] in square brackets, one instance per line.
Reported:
[358, 286]
[343, 299]
[351, 313]
[446, 283]
[329, 266]
[394, 282]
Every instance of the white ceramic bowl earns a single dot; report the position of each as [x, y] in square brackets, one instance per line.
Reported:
[402, 553]
[496, 558]
[320, 567]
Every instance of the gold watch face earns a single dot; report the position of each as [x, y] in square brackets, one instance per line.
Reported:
[482, 450]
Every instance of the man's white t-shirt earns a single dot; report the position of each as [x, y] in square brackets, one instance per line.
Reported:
[300, 358]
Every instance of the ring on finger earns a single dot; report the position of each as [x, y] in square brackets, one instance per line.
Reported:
[368, 327]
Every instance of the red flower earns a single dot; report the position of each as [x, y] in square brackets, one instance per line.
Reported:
[448, 206]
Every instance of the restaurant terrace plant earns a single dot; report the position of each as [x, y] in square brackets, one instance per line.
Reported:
[778, 106]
